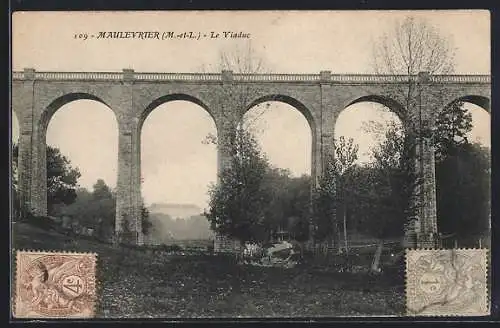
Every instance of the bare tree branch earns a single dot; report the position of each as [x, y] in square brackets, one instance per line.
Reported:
[411, 47]
[234, 99]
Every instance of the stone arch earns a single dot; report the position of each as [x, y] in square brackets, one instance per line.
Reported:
[143, 115]
[143, 141]
[356, 112]
[393, 105]
[57, 103]
[306, 112]
[172, 97]
[39, 184]
[481, 101]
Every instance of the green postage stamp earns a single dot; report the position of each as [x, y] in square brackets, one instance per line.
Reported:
[447, 282]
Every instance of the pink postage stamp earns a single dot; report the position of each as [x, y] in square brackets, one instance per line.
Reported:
[447, 282]
[54, 285]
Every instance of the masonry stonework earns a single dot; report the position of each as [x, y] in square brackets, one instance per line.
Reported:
[36, 96]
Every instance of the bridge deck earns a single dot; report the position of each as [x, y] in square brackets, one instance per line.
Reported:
[225, 76]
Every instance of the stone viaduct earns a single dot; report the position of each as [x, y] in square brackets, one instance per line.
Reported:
[36, 96]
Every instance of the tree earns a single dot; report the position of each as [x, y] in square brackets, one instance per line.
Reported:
[414, 46]
[463, 192]
[453, 123]
[94, 209]
[101, 190]
[289, 205]
[346, 154]
[62, 178]
[330, 195]
[461, 171]
[324, 204]
[237, 201]
[463, 174]
[394, 179]
[411, 47]
[103, 206]
[297, 207]
[385, 202]
[83, 209]
[276, 184]
[234, 99]
[395, 183]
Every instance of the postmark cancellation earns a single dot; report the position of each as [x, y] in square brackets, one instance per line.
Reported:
[54, 285]
[447, 282]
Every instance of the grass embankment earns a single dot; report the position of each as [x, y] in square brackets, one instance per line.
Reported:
[135, 283]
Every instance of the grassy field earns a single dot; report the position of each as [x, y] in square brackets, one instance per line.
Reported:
[134, 283]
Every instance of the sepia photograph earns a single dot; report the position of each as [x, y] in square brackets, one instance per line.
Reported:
[250, 164]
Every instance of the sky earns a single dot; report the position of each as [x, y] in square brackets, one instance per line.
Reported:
[176, 165]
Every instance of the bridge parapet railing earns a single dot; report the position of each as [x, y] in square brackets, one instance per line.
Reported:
[314, 78]
[346, 78]
[18, 75]
[460, 78]
[70, 76]
[77, 76]
[276, 77]
[363, 78]
[178, 76]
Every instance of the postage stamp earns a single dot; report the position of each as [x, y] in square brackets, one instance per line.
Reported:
[54, 285]
[447, 282]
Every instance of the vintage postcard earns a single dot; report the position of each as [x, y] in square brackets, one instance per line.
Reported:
[250, 164]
